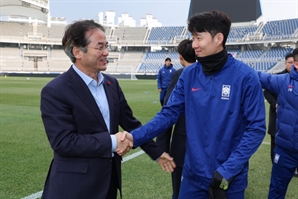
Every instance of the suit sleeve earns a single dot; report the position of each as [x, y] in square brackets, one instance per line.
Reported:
[270, 97]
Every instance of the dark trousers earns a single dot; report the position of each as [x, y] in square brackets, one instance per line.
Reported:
[112, 193]
[176, 181]
[162, 96]
[272, 148]
[163, 140]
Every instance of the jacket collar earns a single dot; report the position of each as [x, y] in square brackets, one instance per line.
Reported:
[170, 66]
[294, 73]
[77, 84]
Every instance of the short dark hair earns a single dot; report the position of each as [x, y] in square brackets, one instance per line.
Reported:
[186, 51]
[168, 59]
[75, 35]
[288, 56]
[213, 22]
[295, 54]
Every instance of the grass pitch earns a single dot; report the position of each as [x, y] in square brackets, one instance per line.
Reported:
[26, 154]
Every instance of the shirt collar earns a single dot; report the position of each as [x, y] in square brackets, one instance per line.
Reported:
[86, 78]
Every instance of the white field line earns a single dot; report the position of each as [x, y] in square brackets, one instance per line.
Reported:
[127, 158]
[132, 156]
[38, 194]
[33, 196]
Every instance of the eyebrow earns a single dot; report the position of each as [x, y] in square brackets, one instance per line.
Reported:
[102, 43]
[197, 34]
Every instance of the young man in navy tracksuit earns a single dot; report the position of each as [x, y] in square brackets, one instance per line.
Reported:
[224, 112]
[164, 78]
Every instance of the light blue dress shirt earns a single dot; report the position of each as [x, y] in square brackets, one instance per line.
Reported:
[98, 92]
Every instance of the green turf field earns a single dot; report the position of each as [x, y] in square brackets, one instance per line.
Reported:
[25, 153]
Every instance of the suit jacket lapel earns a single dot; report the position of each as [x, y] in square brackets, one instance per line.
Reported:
[109, 93]
[81, 89]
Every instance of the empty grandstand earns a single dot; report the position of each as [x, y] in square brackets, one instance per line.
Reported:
[34, 46]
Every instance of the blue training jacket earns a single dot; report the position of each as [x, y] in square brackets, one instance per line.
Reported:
[164, 76]
[286, 87]
[225, 122]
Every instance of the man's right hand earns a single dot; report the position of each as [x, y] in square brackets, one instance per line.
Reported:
[218, 187]
[128, 136]
[123, 144]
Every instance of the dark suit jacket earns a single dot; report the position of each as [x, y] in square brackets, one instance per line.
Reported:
[178, 145]
[78, 135]
[272, 100]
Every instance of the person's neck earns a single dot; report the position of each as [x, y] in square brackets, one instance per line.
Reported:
[92, 74]
[185, 64]
[213, 63]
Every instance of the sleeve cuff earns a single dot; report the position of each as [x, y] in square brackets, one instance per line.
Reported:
[114, 143]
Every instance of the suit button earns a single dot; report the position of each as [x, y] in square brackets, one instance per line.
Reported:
[110, 160]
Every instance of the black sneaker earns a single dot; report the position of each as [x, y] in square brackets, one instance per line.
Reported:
[296, 174]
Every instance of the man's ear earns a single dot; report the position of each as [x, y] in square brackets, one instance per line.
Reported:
[76, 52]
[296, 64]
[219, 37]
[182, 60]
[180, 57]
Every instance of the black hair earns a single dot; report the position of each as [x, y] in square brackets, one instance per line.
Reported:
[186, 51]
[213, 22]
[295, 54]
[168, 59]
[75, 35]
[288, 56]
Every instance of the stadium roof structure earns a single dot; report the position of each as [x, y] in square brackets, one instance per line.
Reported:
[37, 9]
[238, 11]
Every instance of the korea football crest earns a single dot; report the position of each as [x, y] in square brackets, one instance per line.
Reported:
[225, 92]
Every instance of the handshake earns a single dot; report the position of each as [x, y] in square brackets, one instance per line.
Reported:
[125, 143]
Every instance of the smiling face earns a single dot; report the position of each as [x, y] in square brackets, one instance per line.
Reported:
[204, 45]
[289, 63]
[92, 58]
